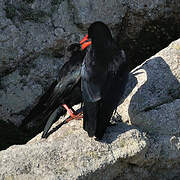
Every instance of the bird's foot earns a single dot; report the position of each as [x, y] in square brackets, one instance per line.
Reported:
[72, 113]
[75, 116]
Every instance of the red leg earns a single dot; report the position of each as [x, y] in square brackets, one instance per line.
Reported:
[68, 110]
[71, 113]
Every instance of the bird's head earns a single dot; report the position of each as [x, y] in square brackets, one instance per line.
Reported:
[100, 35]
[74, 47]
[99, 30]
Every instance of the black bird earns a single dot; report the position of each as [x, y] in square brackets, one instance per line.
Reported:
[69, 85]
[65, 91]
[103, 78]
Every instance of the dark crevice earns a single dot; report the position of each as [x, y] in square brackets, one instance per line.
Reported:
[153, 37]
[10, 135]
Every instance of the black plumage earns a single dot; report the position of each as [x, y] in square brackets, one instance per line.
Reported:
[65, 90]
[104, 76]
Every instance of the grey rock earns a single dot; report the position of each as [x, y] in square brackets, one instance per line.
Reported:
[154, 103]
[73, 155]
[21, 88]
[110, 12]
[129, 150]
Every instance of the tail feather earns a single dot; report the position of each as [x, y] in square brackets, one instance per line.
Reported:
[96, 118]
[105, 113]
[90, 111]
[58, 112]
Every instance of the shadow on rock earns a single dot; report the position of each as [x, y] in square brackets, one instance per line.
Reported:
[10, 135]
[152, 107]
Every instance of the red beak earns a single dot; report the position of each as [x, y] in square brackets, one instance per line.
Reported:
[84, 39]
[83, 42]
[86, 44]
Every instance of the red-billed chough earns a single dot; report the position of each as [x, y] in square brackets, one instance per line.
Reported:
[104, 75]
[64, 92]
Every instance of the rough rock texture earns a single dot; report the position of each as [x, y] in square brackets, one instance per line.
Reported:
[148, 149]
[154, 103]
[34, 35]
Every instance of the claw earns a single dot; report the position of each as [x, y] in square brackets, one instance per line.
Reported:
[76, 117]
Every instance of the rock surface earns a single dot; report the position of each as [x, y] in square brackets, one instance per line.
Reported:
[154, 104]
[144, 145]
